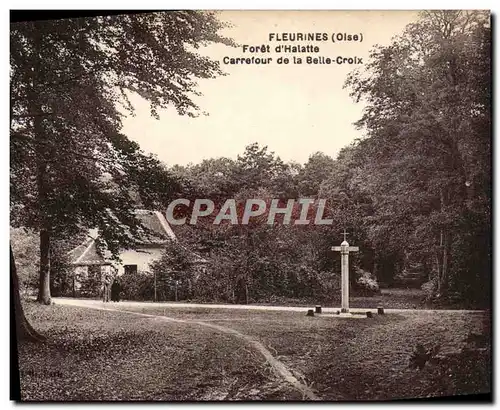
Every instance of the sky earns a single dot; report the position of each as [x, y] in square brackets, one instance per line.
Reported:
[295, 110]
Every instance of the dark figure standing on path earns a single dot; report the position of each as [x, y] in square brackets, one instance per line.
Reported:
[115, 291]
[106, 288]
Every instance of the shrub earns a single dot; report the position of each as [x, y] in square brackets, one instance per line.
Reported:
[25, 246]
[366, 284]
[214, 284]
[429, 288]
[137, 286]
[328, 286]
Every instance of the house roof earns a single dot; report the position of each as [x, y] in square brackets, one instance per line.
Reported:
[158, 232]
[86, 254]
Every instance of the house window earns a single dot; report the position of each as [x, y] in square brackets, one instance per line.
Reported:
[130, 269]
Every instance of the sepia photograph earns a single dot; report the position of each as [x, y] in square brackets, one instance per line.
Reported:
[250, 206]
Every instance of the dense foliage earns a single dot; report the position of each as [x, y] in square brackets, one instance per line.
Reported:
[414, 193]
[425, 161]
[71, 168]
[261, 261]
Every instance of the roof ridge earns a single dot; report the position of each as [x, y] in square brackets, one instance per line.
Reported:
[83, 244]
[165, 225]
[91, 242]
[150, 219]
[144, 211]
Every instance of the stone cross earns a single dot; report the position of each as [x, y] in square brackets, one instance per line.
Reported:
[344, 250]
[345, 234]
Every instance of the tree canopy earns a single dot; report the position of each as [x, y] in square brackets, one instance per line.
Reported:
[427, 148]
[71, 168]
[414, 191]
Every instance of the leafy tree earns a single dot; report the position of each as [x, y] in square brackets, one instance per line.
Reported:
[67, 78]
[258, 168]
[150, 182]
[427, 121]
[259, 261]
[212, 178]
[25, 246]
[315, 171]
[69, 82]
[173, 272]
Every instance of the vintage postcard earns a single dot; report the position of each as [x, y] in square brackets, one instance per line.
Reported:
[251, 205]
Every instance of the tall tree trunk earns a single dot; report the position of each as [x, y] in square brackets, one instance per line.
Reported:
[24, 331]
[444, 251]
[45, 236]
[445, 260]
[374, 265]
[44, 281]
[439, 267]
[42, 156]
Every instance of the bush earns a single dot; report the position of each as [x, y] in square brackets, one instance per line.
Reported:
[366, 284]
[215, 284]
[328, 286]
[61, 273]
[137, 286]
[429, 288]
[25, 246]
[174, 273]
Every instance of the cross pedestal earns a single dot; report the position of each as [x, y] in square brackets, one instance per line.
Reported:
[344, 250]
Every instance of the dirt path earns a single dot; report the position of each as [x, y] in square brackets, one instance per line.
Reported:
[279, 368]
[92, 303]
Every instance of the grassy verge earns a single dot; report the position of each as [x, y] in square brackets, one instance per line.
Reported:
[394, 298]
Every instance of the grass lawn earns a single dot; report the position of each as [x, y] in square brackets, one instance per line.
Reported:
[393, 298]
[118, 356]
[96, 355]
[389, 298]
